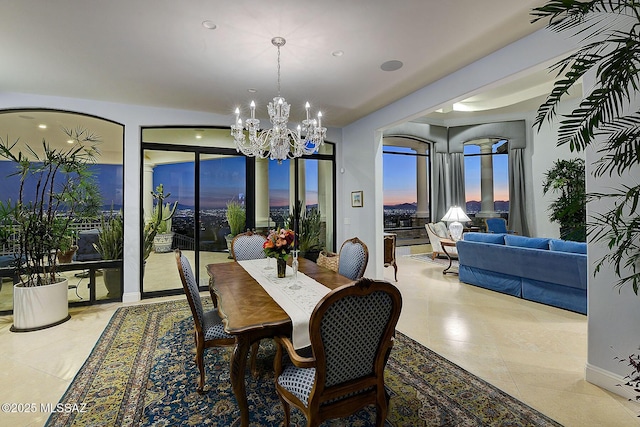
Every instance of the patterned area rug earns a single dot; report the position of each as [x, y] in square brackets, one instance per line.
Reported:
[142, 373]
[440, 261]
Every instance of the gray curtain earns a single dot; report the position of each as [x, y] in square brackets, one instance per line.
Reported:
[457, 181]
[517, 193]
[439, 186]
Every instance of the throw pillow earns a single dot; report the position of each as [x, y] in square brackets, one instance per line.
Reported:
[568, 246]
[526, 242]
[441, 230]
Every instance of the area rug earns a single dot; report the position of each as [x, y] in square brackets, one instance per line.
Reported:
[142, 373]
[427, 258]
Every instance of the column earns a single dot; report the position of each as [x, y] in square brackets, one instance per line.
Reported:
[486, 181]
[262, 194]
[147, 188]
[422, 210]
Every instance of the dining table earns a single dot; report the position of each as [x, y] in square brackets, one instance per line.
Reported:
[250, 313]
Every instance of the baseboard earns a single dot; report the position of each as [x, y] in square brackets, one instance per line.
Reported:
[131, 297]
[608, 381]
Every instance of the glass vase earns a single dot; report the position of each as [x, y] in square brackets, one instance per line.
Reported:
[282, 266]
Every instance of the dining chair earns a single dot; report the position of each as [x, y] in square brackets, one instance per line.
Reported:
[209, 330]
[352, 330]
[353, 258]
[248, 245]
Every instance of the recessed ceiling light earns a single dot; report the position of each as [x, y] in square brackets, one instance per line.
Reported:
[337, 53]
[70, 141]
[252, 90]
[209, 25]
[42, 126]
[392, 65]
[198, 136]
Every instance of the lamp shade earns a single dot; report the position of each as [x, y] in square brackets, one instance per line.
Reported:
[455, 213]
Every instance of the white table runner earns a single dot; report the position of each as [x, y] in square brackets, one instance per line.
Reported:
[297, 297]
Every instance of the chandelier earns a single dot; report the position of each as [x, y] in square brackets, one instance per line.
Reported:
[279, 142]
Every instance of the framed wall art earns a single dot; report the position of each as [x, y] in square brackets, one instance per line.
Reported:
[356, 199]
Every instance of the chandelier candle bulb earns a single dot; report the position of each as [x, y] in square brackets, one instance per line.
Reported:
[253, 109]
[306, 107]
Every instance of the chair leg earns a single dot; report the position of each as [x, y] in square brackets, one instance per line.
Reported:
[433, 255]
[382, 408]
[254, 356]
[200, 364]
[287, 411]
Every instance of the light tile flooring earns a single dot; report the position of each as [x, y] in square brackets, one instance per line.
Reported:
[533, 352]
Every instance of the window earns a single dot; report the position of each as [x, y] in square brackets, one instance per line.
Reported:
[406, 183]
[486, 164]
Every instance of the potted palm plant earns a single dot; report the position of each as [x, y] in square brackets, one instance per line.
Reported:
[55, 189]
[567, 179]
[236, 217]
[110, 246]
[308, 230]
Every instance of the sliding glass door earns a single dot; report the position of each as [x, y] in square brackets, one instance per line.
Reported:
[200, 170]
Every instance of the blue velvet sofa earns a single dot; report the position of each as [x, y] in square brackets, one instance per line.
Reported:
[549, 271]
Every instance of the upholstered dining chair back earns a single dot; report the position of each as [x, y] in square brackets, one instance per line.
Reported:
[248, 245]
[353, 258]
[351, 331]
[209, 330]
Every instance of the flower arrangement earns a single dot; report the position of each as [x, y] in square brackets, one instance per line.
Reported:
[279, 243]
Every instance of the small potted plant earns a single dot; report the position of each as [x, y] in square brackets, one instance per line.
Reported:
[236, 217]
[164, 236]
[309, 231]
[155, 222]
[55, 189]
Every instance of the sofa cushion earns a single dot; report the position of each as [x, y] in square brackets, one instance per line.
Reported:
[497, 239]
[568, 246]
[526, 242]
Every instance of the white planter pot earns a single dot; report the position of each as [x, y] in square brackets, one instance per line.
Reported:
[162, 242]
[40, 307]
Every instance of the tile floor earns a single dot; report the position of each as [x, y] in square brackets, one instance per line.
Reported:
[533, 352]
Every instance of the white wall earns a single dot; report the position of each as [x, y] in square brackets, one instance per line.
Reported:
[614, 313]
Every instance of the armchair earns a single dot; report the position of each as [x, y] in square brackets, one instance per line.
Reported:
[351, 332]
[497, 225]
[437, 231]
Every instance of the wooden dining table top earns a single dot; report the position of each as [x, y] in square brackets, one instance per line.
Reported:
[244, 305]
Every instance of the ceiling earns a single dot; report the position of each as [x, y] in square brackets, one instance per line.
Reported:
[159, 53]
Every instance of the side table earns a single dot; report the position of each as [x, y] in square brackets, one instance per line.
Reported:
[445, 243]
